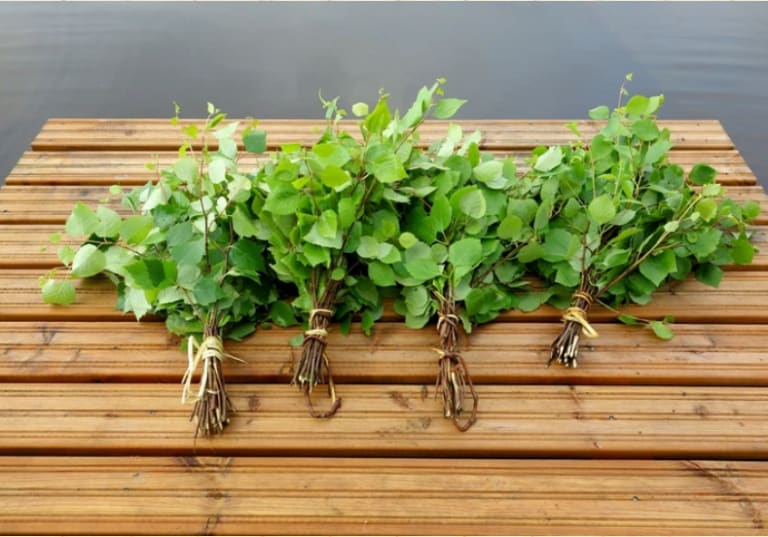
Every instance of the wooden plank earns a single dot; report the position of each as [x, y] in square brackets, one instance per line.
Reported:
[497, 353]
[240, 495]
[129, 168]
[22, 204]
[392, 420]
[741, 298]
[141, 134]
[51, 205]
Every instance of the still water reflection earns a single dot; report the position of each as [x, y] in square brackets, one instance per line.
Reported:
[268, 60]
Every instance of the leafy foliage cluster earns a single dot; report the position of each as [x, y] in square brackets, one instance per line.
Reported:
[325, 233]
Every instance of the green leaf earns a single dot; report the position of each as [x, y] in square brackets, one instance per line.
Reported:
[751, 210]
[672, 226]
[380, 117]
[282, 314]
[316, 255]
[742, 251]
[383, 164]
[217, 171]
[331, 154]
[645, 129]
[549, 160]
[423, 269]
[186, 169]
[530, 252]
[510, 228]
[599, 113]
[656, 151]
[152, 273]
[472, 203]
[189, 253]
[180, 233]
[662, 330]
[440, 214]
[240, 331]
[243, 223]
[559, 245]
[466, 252]
[58, 292]
[135, 300]
[446, 108]
[360, 109]
[109, 223]
[88, 261]
[315, 237]
[283, 200]
[368, 248]
[706, 243]
[707, 208]
[347, 212]
[657, 267]
[66, 254]
[416, 299]
[327, 224]
[206, 291]
[532, 301]
[712, 190]
[255, 141]
[82, 222]
[187, 276]
[602, 209]
[637, 105]
[247, 256]
[702, 174]
[334, 177]
[135, 229]
[407, 239]
[629, 320]
[709, 274]
[491, 172]
[381, 274]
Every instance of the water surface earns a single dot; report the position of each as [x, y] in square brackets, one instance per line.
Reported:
[268, 60]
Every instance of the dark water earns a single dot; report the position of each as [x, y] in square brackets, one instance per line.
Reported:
[538, 60]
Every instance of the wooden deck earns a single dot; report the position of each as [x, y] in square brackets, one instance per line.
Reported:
[646, 437]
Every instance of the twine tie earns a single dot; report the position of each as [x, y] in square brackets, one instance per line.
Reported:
[212, 347]
[579, 315]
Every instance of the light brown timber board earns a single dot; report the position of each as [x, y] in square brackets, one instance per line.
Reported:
[392, 420]
[140, 134]
[719, 355]
[129, 168]
[741, 298]
[386, 414]
[224, 495]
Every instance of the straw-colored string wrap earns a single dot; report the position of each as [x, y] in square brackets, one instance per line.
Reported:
[316, 332]
[317, 311]
[212, 347]
[444, 318]
[579, 315]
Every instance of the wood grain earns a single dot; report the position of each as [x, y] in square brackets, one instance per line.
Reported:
[127, 134]
[514, 353]
[76, 383]
[392, 420]
[362, 496]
